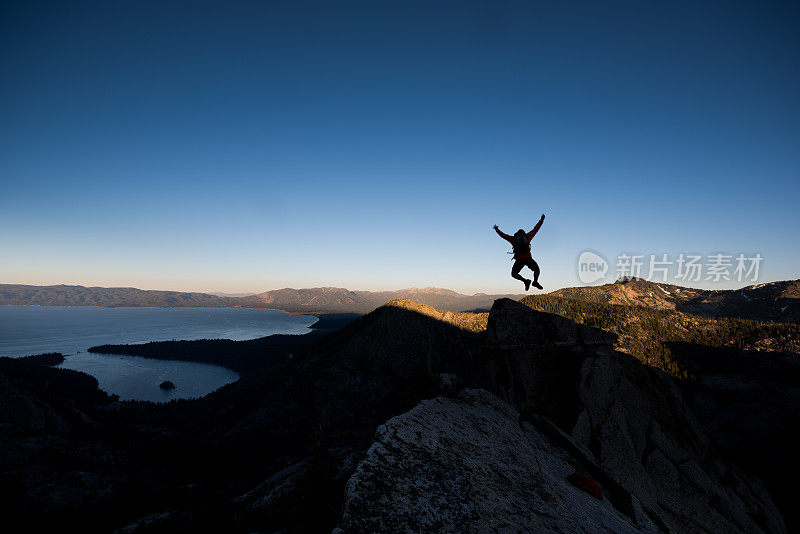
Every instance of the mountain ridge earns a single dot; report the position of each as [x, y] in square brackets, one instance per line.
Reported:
[326, 299]
[772, 301]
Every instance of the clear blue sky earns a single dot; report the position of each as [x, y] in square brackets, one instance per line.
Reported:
[236, 146]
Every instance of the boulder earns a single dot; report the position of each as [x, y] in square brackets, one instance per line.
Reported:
[466, 464]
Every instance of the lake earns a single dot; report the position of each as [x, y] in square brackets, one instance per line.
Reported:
[71, 330]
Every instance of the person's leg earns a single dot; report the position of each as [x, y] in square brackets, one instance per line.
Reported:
[533, 266]
[518, 264]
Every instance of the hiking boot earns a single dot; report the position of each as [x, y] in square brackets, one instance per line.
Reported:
[537, 285]
[527, 284]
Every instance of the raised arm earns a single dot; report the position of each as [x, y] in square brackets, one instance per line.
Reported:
[536, 228]
[504, 236]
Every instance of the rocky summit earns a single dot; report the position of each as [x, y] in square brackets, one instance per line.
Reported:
[559, 402]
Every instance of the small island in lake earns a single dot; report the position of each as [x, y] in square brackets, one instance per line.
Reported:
[166, 384]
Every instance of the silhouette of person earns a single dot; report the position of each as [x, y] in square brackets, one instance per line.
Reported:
[521, 242]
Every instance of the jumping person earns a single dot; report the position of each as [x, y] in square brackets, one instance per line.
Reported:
[521, 242]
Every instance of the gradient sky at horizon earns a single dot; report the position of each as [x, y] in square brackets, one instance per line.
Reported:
[246, 146]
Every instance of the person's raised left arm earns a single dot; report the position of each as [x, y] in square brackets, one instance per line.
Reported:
[536, 228]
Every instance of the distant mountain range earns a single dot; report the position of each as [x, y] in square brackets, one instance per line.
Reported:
[774, 301]
[109, 297]
[312, 300]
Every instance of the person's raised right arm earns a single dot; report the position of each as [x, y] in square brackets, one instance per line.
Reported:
[501, 234]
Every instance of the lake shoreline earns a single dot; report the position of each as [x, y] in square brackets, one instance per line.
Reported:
[117, 347]
[242, 357]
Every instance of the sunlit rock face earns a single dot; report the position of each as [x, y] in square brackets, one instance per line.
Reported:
[468, 465]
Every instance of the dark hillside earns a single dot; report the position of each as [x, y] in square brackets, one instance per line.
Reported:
[377, 412]
[241, 356]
